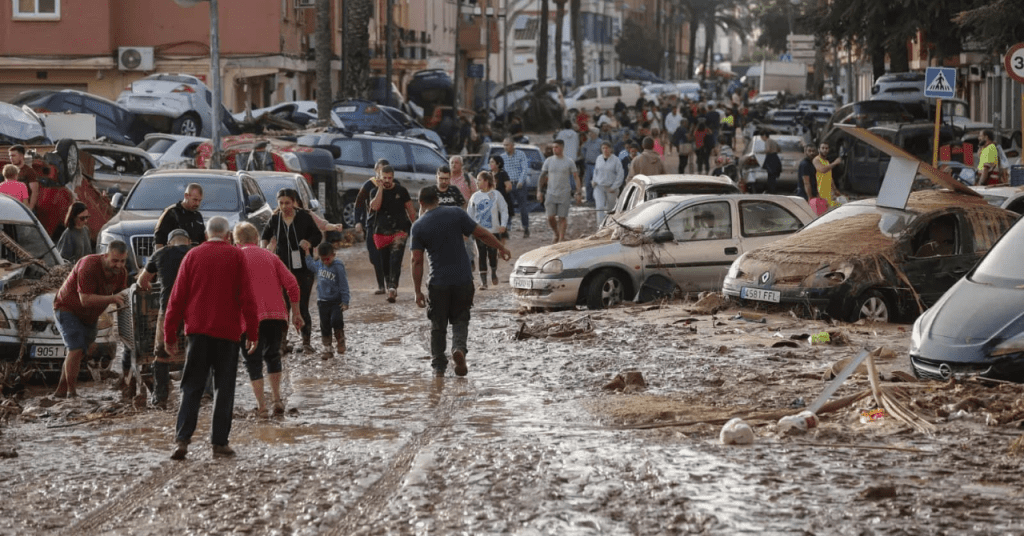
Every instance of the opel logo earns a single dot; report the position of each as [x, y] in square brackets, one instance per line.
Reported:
[765, 277]
[945, 371]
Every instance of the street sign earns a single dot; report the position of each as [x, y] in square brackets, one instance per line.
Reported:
[940, 82]
[1014, 62]
[475, 70]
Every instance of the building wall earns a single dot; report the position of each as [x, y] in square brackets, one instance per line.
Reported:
[85, 28]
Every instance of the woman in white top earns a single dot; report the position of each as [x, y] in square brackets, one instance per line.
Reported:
[608, 177]
[488, 209]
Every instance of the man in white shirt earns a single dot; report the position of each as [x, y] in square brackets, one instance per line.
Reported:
[608, 176]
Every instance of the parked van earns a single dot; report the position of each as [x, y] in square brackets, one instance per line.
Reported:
[602, 95]
[899, 87]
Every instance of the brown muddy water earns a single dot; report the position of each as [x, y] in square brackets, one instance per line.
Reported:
[528, 443]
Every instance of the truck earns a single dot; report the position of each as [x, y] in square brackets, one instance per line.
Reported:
[790, 77]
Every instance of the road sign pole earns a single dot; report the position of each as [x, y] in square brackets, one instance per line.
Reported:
[1014, 63]
[935, 145]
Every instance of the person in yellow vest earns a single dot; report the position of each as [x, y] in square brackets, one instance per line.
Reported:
[826, 187]
[988, 160]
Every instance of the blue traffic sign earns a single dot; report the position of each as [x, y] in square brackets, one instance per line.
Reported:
[940, 82]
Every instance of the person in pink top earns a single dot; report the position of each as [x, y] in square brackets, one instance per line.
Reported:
[11, 186]
[463, 181]
[268, 275]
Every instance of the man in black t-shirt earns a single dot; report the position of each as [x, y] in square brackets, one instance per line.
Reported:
[164, 263]
[807, 182]
[182, 215]
[448, 196]
[391, 217]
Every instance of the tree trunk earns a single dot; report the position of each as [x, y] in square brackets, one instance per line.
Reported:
[323, 59]
[691, 63]
[709, 43]
[577, 41]
[357, 54]
[542, 48]
[559, 16]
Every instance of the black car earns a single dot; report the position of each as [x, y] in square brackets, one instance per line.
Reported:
[113, 121]
[977, 328]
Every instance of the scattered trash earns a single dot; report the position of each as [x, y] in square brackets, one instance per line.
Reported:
[8, 452]
[785, 344]
[820, 338]
[580, 326]
[878, 492]
[750, 317]
[630, 380]
[798, 403]
[736, 432]
[801, 422]
[870, 415]
[709, 304]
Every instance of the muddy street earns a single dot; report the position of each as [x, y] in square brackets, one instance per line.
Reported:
[531, 441]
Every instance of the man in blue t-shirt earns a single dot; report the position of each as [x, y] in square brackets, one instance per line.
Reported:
[440, 233]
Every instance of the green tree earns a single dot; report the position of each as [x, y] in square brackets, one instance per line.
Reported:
[639, 47]
[996, 25]
[773, 18]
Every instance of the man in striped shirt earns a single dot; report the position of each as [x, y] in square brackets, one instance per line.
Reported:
[517, 165]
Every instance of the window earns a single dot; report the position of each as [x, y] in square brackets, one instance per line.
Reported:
[352, 153]
[764, 218]
[707, 221]
[427, 160]
[393, 152]
[612, 91]
[589, 94]
[36, 9]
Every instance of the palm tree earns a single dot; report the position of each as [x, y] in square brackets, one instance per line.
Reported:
[559, 16]
[356, 49]
[542, 48]
[577, 41]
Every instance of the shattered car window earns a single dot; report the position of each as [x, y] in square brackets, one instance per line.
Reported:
[1002, 266]
[647, 215]
[30, 238]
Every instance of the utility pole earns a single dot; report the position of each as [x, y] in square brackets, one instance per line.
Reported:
[323, 60]
[389, 52]
[342, 86]
[458, 64]
[487, 52]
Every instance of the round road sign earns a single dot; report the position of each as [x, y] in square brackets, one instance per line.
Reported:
[1014, 62]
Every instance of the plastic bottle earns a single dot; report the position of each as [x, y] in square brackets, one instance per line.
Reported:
[736, 432]
[802, 421]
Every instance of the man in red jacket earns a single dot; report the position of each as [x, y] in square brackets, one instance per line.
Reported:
[213, 296]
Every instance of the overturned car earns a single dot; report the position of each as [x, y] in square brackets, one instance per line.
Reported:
[31, 272]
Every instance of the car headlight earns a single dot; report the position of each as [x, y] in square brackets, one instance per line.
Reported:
[734, 268]
[552, 267]
[915, 336]
[1008, 347]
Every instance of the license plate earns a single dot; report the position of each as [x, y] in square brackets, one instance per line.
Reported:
[760, 294]
[49, 351]
[522, 282]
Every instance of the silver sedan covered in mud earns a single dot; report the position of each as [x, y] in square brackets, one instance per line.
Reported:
[31, 271]
[673, 243]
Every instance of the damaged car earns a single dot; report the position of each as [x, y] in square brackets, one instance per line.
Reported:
[31, 272]
[671, 244]
[977, 328]
[883, 259]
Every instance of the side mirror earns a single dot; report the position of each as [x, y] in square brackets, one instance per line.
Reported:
[662, 236]
[254, 204]
[314, 205]
[117, 200]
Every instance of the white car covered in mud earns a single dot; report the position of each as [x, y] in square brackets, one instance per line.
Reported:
[683, 243]
[31, 272]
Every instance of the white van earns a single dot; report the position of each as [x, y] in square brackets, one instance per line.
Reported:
[602, 95]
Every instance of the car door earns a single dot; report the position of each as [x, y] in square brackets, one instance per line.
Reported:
[397, 154]
[353, 161]
[940, 251]
[866, 168]
[704, 245]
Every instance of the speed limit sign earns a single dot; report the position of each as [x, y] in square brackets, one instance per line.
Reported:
[1015, 62]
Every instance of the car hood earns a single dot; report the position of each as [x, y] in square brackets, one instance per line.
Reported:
[994, 315]
[16, 124]
[574, 253]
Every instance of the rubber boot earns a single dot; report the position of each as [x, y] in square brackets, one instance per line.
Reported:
[340, 337]
[306, 346]
[483, 280]
[328, 352]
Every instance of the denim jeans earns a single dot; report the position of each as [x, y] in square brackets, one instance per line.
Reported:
[203, 354]
[391, 261]
[448, 304]
[588, 179]
[520, 194]
[332, 318]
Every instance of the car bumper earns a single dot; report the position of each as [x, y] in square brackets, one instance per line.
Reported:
[545, 292]
[819, 298]
[46, 353]
[160, 106]
[1009, 369]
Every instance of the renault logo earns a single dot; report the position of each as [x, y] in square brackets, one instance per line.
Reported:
[765, 277]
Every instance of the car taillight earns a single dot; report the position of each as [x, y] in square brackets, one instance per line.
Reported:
[41, 110]
[183, 89]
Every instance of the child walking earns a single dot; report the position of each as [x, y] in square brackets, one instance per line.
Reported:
[488, 208]
[332, 296]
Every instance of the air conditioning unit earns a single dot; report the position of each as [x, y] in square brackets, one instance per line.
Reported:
[305, 3]
[135, 58]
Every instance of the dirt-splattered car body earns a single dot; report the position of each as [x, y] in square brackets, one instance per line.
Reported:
[673, 243]
[31, 272]
[978, 325]
[867, 261]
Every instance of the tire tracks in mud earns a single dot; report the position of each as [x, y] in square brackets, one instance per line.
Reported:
[125, 502]
[367, 510]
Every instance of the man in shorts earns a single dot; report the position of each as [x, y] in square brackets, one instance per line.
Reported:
[94, 283]
[557, 174]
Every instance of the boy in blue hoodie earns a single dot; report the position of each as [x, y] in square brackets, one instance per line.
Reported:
[332, 296]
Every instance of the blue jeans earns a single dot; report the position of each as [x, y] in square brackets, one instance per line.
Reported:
[520, 194]
[203, 354]
[332, 318]
[588, 178]
[448, 304]
[374, 259]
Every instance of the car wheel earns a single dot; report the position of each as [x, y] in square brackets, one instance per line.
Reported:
[348, 210]
[606, 290]
[871, 306]
[67, 150]
[187, 125]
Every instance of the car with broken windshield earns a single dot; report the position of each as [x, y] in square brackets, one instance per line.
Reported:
[673, 244]
[31, 272]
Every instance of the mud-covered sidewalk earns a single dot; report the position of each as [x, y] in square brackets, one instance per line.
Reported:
[540, 438]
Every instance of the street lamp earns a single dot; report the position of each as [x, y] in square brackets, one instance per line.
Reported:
[215, 70]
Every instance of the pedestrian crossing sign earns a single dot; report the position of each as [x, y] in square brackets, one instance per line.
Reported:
[940, 82]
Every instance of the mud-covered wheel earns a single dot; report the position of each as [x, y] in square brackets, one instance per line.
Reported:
[871, 306]
[606, 290]
[187, 125]
[67, 150]
[348, 210]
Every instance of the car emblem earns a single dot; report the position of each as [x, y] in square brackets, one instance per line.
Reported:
[765, 277]
[945, 371]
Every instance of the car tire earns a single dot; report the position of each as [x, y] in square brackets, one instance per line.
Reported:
[872, 306]
[70, 162]
[187, 125]
[606, 289]
[348, 210]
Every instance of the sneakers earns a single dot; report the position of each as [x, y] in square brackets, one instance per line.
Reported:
[380, 291]
[223, 451]
[307, 347]
[180, 450]
[328, 352]
[392, 295]
[494, 278]
[459, 357]
[483, 286]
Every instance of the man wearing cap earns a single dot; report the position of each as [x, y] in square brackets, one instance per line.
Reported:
[165, 264]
